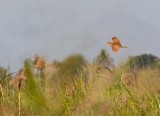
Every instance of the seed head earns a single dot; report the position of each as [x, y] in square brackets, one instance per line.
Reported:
[143, 106]
[128, 79]
[158, 90]
[40, 64]
[125, 99]
[19, 80]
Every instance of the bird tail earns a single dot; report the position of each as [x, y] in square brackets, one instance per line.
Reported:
[124, 47]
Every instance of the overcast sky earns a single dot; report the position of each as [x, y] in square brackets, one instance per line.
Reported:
[58, 28]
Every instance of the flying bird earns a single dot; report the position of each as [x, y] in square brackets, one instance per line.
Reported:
[116, 44]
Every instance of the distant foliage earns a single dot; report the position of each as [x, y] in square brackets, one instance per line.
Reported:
[144, 61]
[104, 60]
[72, 65]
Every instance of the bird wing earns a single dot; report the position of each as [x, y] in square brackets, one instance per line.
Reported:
[110, 44]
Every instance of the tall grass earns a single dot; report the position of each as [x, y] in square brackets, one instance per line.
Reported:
[33, 93]
[69, 95]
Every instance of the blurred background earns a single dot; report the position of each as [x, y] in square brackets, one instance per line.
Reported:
[59, 28]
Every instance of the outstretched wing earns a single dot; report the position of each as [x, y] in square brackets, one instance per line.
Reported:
[110, 44]
[116, 40]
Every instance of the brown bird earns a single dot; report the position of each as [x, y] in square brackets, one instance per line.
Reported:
[116, 44]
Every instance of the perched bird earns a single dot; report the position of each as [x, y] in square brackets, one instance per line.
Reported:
[116, 44]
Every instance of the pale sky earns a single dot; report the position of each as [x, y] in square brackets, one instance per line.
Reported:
[58, 28]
